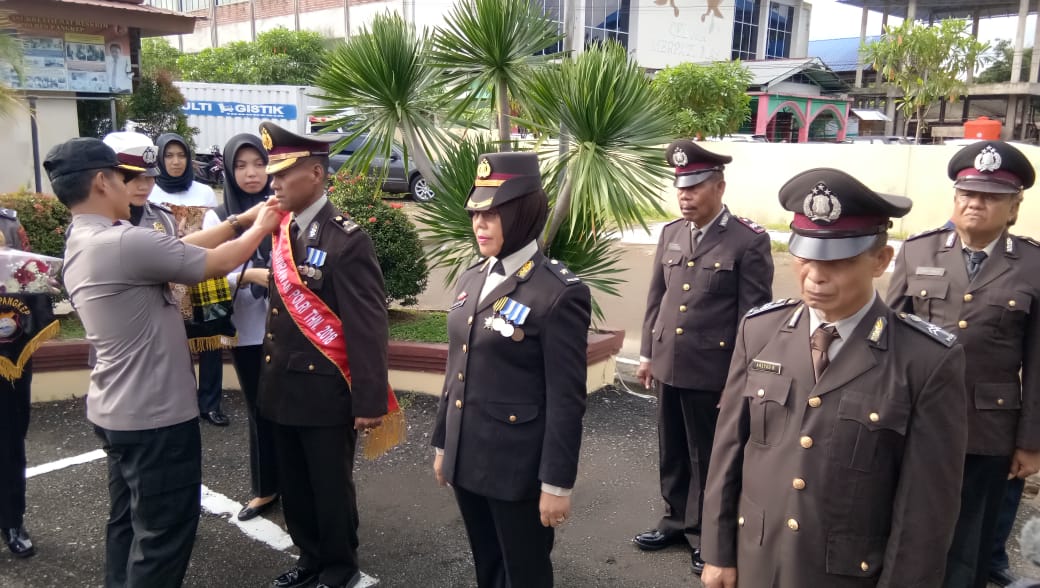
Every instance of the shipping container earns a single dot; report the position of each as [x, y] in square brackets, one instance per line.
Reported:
[221, 111]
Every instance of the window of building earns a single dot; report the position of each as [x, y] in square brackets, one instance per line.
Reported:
[554, 10]
[778, 38]
[745, 29]
[606, 20]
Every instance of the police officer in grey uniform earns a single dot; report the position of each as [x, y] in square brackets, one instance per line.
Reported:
[974, 278]
[711, 267]
[838, 455]
[14, 424]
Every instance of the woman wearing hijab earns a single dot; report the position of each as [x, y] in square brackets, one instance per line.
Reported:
[516, 368]
[176, 185]
[246, 183]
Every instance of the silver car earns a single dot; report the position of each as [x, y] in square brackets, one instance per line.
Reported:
[397, 180]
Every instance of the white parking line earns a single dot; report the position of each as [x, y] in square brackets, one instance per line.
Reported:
[258, 529]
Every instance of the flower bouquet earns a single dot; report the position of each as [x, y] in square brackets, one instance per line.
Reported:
[27, 282]
[22, 272]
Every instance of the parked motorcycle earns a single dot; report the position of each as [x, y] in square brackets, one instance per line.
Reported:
[209, 167]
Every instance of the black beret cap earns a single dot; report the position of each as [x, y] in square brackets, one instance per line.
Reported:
[285, 148]
[693, 164]
[835, 215]
[79, 154]
[991, 166]
[502, 177]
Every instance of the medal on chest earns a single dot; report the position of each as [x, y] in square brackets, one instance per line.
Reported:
[508, 318]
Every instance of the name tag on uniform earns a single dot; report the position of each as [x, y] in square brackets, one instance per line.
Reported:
[674, 247]
[766, 366]
[930, 271]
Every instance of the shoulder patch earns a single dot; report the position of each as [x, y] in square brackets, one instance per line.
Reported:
[345, 223]
[9, 213]
[161, 207]
[771, 306]
[941, 229]
[1029, 240]
[934, 331]
[560, 271]
[751, 224]
[678, 220]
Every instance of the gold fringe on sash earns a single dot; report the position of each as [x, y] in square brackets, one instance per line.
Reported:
[386, 436]
[12, 371]
[214, 343]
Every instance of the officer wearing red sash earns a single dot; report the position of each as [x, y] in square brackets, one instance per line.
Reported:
[324, 374]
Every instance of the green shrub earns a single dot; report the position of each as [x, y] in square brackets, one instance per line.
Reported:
[44, 220]
[394, 236]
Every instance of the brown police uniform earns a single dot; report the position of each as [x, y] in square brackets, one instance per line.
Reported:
[304, 393]
[851, 480]
[996, 316]
[510, 417]
[698, 293]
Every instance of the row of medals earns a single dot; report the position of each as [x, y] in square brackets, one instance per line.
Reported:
[503, 327]
[310, 271]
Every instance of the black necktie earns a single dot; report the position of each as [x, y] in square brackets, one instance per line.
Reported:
[294, 230]
[695, 236]
[498, 269]
[975, 259]
[820, 342]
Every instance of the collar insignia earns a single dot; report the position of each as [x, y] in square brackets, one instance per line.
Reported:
[821, 206]
[525, 269]
[879, 328]
[988, 160]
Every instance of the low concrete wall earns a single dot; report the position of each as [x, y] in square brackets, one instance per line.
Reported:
[759, 170]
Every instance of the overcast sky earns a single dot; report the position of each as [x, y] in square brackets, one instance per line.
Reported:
[831, 20]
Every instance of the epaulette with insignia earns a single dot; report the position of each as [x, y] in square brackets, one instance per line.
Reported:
[751, 224]
[771, 306]
[678, 220]
[1029, 240]
[9, 213]
[934, 331]
[345, 223]
[560, 271]
[941, 229]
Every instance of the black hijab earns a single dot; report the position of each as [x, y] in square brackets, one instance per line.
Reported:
[171, 184]
[522, 221]
[237, 200]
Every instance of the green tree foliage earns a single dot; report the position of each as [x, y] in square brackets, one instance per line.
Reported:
[157, 55]
[278, 56]
[705, 100]
[10, 56]
[393, 235]
[999, 70]
[44, 219]
[491, 46]
[155, 107]
[926, 63]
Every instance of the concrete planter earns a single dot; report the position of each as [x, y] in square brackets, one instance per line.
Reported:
[60, 367]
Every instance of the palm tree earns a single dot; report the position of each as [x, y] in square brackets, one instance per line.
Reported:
[612, 167]
[10, 55]
[492, 45]
[379, 82]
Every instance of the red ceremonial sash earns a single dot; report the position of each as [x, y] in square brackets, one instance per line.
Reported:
[313, 317]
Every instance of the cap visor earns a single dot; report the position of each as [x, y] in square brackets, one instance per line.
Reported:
[828, 249]
[481, 198]
[131, 168]
[986, 186]
[690, 180]
[151, 172]
[281, 165]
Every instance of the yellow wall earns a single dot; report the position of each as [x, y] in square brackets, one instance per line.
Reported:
[917, 171]
[57, 122]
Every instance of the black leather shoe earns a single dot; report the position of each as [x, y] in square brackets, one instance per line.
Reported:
[1002, 577]
[251, 512]
[295, 578]
[696, 563]
[217, 418]
[653, 540]
[19, 542]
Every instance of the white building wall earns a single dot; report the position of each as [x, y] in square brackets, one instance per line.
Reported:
[56, 121]
[661, 38]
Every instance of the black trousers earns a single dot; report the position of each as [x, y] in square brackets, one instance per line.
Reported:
[686, 429]
[211, 376]
[155, 490]
[14, 424]
[985, 480]
[316, 479]
[1005, 522]
[263, 460]
[510, 546]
